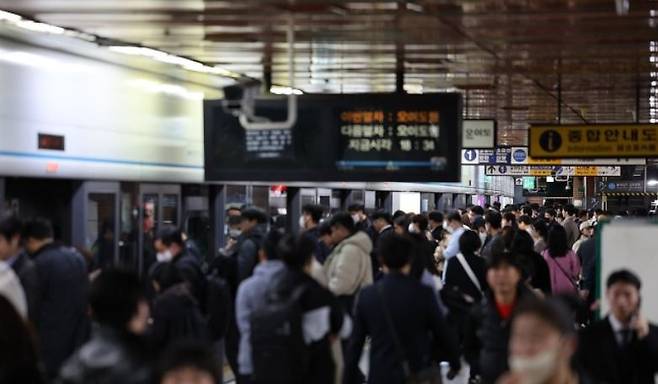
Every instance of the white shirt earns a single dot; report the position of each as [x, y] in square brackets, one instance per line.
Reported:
[617, 328]
[12, 290]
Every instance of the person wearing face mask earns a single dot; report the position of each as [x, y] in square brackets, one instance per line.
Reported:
[188, 266]
[488, 325]
[542, 344]
[623, 346]
[309, 226]
[453, 225]
[358, 213]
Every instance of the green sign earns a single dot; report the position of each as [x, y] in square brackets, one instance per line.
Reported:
[529, 183]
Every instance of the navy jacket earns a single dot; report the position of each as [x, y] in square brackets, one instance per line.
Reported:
[418, 323]
[606, 362]
[62, 321]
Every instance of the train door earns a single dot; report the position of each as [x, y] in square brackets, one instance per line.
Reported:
[94, 221]
[160, 205]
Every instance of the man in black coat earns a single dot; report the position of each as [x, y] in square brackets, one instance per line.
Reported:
[12, 253]
[382, 224]
[402, 318]
[488, 327]
[435, 219]
[188, 266]
[623, 347]
[62, 322]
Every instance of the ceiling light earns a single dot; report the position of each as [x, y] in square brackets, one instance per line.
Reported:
[39, 27]
[8, 16]
[278, 90]
[652, 183]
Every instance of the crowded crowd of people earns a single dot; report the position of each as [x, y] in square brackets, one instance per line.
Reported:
[506, 295]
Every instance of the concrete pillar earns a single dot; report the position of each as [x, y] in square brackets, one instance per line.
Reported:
[217, 211]
[293, 209]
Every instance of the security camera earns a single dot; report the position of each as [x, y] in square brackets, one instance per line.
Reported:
[241, 97]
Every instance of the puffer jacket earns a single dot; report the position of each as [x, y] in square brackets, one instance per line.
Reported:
[349, 267]
[108, 358]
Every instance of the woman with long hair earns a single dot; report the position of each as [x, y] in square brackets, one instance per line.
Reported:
[563, 264]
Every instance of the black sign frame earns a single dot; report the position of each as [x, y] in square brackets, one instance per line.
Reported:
[317, 152]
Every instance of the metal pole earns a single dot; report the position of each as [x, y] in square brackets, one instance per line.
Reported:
[293, 209]
[217, 200]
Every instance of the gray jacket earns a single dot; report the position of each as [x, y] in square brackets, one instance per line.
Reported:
[252, 294]
[573, 232]
[349, 267]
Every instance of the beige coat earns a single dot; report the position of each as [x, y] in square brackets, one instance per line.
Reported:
[349, 267]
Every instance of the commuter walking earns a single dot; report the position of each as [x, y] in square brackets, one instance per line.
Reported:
[455, 227]
[116, 352]
[622, 347]
[382, 224]
[250, 240]
[435, 219]
[398, 313]
[494, 242]
[62, 321]
[348, 267]
[562, 262]
[488, 327]
[188, 266]
[542, 345]
[19, 361]
[586, 232]
[177, 314]
[252, 295]
[535, 269]
[12, 253]
[539, 233]
[309, 223]
[570, 225]
[358, 213]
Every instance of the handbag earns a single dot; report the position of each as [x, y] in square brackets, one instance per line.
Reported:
[571, 279]
[431, 375]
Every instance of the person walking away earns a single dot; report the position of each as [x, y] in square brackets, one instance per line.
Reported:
[12, 253]
[622, 347]
[398, 313]
[116, 352]
[542, 344]
[563, 265]
[488, 326]
[62, 323]
[536, 273]
[348, 267]
[494, 242]
[176, 312]
[304, 355]
[539, 233]
[586, 232]
[465, 281]
[19, 361]
[252, 295]
[570, 225]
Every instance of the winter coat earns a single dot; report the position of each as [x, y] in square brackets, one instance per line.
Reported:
[349, 267]
[108, 358]
[62, 321]
[252, 294]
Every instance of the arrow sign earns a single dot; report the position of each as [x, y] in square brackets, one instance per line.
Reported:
[491, 169]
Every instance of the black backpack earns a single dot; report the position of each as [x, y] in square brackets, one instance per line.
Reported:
[218, 306]
[278, 350]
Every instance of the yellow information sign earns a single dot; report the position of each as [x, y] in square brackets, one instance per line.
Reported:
[593, 141]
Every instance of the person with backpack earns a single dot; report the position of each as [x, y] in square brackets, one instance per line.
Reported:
[252, 295]
[398, 313]
[312, 314]
[250, 240]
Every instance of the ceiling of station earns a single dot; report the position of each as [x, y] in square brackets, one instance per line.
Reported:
[512, 59]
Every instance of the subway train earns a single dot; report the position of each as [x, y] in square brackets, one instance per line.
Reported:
[110, 147]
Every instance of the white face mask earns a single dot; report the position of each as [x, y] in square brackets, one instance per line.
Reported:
[301, 222]
[234, 233]
[536, 369]
[412, 229]
[164, 257]
[447, 227]
[356, 218]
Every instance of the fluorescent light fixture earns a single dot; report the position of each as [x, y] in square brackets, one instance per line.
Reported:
[10, 17]
[652, 183]
[550, 179]
[35, 26]
[278, 90]
[413, 88]
[167, 89]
